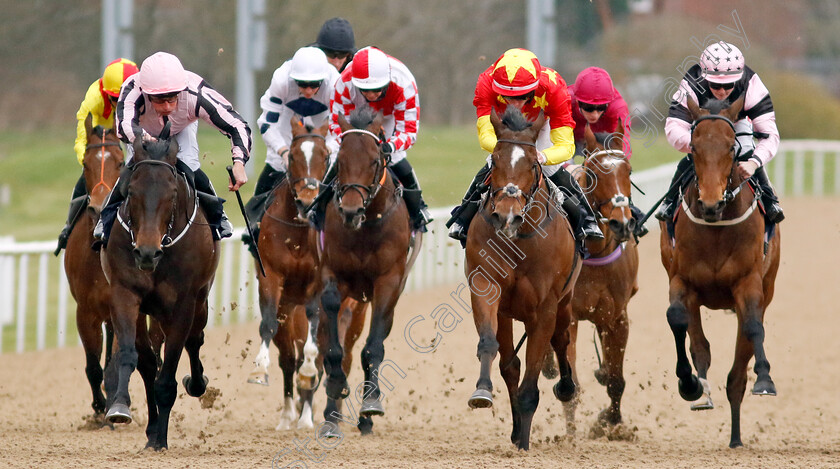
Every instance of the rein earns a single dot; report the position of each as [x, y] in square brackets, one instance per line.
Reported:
[372, 190]
[167, 240]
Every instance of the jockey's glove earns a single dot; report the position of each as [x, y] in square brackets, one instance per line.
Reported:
[387, 148]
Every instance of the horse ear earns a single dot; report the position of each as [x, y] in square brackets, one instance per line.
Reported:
[619, 129]
[139, 151]
[496, 121]
[694, 108]
[589, 137]
[172, 152]
[324, 129]
[537, 126]
[342, 122]
[735, 108]
[89, 124]
[297, 125]
[376, 125]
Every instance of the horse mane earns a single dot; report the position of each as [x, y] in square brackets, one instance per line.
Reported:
[514, 120]
[361, 118]
[157, 150]
[99, 131]
[602, 137]
[714, 106]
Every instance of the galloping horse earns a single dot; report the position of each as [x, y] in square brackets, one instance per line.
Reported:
[525, 253]
[365, 258]
[720, 258]
[161, 263]
[288, 248]
[608, 278]
[102, 162]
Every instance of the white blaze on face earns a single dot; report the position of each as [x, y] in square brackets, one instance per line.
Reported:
[307, 149]
[100, 155]
[516, 154]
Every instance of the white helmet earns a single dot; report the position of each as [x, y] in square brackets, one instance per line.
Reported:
[722, 62]
[309, 64]
[371, 69]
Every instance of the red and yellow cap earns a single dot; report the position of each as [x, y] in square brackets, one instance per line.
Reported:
[115, 74]
[517, 72]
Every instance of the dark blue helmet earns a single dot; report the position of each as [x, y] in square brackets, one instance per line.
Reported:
[336, 34]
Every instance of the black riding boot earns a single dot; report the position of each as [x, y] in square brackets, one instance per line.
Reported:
[462, 215]
[576, 206]
[317, 211]
[102, 230]
[638, 215]
[78, 202]
[412, 195]
[256, 206]
[772, 209]
[203, 184]
[668, 206]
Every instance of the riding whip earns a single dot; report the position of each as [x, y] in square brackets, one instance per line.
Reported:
[247, 222]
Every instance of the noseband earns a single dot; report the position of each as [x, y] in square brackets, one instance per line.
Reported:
[167, 240]
[728, 194]
[371, 190]
[511, 190]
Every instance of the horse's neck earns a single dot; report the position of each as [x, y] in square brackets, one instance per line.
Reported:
[542, 208]
[284, 201]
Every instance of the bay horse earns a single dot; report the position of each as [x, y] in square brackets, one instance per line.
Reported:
[608, 278]
[720, 258]
[366, 242]
[102, 163]
[161, 264]
[288, 248]
[523, 249]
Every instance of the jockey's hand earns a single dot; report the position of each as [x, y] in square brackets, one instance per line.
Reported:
[148, 138]
[747, 168]
[239, 175]
[541, 157]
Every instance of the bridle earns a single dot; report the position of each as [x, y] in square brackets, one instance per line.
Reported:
[166, 240]
[511, 190]
[311, 183]
[102, 146]
[371, 190]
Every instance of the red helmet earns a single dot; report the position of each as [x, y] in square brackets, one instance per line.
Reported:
[115, 74]
[517, 72]
[594, 86]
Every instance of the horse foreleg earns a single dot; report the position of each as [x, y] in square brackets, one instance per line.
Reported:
[689, 386]
[487, 325]
[125, 310]
[166, 386]
[351, 325]
[614, 342]
[336, 387]
[539, 335]
[308, 370]
[565, 388]
[284, 341]
[509, 366]
[269, 293]
[570, 404]
[90, 331]
[147, 366]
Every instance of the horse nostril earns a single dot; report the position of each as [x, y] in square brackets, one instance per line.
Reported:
[615, 226]
[158, 254]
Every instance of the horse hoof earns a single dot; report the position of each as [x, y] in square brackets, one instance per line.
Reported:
[372, 407]
[118, 413]
[258, 378]
[601, 376]
[764, 388]
[481, 399]
[692, 390]
[564, 390]
[187, 382]
[705, 400]
[329, 430]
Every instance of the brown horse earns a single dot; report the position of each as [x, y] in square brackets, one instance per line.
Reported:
[288, 248]
[365, 258]
[608, 278]
[524, 251]
[718, 258]
[102, 162]
[160, 263]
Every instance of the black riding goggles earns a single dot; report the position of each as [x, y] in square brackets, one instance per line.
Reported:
[721, 86]
[586, 107]
[308, 84]
[335, 54]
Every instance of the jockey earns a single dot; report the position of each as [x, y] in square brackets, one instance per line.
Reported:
[722, 75]
[100, 103]
[596, 102]
[301, 87]
[385, 84]
[336, 39]
[164, 92]
[517, 79]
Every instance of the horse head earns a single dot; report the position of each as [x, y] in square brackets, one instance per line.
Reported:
[515, 170]
[713, 148]
[102, 163]
[308, 161]
[152, 197]
[362, 168]
[606, 180]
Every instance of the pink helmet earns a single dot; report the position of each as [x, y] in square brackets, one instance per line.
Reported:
[722, 62]
[162, 73]
[371, 69]
[593, 85]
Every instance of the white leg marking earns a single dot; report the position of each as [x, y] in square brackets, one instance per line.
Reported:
[287, 415]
